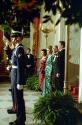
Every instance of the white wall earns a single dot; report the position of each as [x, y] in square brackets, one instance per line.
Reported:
[74, 54]
[26, 43]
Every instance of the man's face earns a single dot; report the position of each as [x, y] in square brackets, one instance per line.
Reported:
[55, 49]
[16, 39]
[13, 39]
[28, 51]
[60, 46]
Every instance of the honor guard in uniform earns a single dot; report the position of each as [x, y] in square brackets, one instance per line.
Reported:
[18, 77]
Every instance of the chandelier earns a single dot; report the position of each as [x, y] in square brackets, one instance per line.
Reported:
[47, 28]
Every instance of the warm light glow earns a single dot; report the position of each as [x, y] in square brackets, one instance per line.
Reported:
[6, 43]
[24, 5]
[47, 27]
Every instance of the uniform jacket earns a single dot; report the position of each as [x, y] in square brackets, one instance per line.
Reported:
[18, 59]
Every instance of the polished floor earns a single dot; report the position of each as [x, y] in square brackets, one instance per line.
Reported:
[6, 102]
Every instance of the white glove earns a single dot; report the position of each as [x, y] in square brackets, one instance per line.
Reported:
[8, 67]
[19, 87]
[57, 75]
[28, 66]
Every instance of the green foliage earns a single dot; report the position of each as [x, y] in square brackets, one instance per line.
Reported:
[32, 82]
[56, 109]
[19, 11]
[47, 18]
[67, 9]
[26, 10]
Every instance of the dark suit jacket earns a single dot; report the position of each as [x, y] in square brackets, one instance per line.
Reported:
[29, 61]
[58, 68]
[58, 64]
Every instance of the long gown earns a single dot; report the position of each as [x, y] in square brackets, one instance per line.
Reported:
[48, 72]
[41, 71]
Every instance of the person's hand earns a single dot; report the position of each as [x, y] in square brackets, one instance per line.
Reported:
[19, 87]
[8, 67]
[57, 75]
[28, 66]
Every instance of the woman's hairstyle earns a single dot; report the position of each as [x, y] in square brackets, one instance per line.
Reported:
[56, 46]
[45, 51]
[50, 49]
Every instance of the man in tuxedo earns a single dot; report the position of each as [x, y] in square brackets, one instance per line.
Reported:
[29, 63]
[58, 67]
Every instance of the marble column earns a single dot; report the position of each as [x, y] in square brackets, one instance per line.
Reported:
[80, 71]
[66, 59]
[1, 45]
[35, 44]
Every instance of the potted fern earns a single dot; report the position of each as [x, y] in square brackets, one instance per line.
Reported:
[32, 82]
[56, 109]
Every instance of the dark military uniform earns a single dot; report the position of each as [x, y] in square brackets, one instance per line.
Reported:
[18, 77]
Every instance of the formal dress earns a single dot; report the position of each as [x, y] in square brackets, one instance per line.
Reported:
[58, 70]
[47, 87]
[42, 64]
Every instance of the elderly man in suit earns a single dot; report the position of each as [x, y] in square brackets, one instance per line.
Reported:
[18, 77]
[58, 67]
